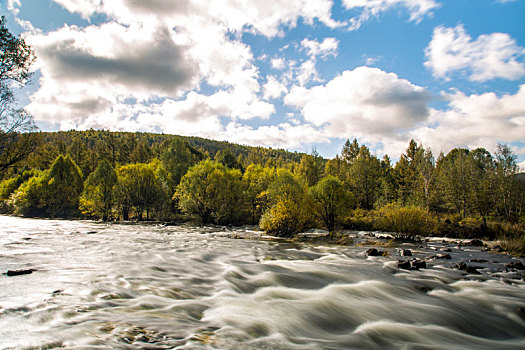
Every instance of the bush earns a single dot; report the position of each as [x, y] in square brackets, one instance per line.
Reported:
[284, 219]
[405, 222]
[360, 219]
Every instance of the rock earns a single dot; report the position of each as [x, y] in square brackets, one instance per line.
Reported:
[414, 264]
[405, 252]
[374, 252]
[404, 264]
[444, 256]
[12, 273]
[475, 243]
[446, 250]
[441, 256]
[518, 265]
[467, 268]
[419, 264]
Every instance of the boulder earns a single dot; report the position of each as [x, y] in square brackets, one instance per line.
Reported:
[475, 243]
[374, 252]
[404, 264]
[518, 265]
[419, 264]
[467, 268]
[405, 252]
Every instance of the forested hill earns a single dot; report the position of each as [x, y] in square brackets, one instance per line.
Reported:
[88, 147]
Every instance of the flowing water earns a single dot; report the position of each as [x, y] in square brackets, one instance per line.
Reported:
[107, 286]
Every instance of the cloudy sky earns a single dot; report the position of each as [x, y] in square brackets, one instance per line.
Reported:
[290, 74]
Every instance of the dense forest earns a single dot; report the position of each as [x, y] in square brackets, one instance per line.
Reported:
[140, 176]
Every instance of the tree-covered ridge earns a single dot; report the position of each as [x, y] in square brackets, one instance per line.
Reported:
[87, 148]
[122, 176]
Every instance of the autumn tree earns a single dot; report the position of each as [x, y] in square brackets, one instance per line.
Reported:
[289, 205]
[311, 167]
[256, 180]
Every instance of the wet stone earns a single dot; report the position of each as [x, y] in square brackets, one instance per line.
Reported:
[475, 243]
[518, 265]
[404, 264]
[405, 252]
[374, 252]
[467, 268]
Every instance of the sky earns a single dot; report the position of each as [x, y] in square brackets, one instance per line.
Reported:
[292, 74]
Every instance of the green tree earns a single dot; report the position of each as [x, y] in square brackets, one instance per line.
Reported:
[456, 178]
[331, 201]
[350, 151]
[311, 167]
[16, 58]
[365, 178]
[177, 157]
[98, 196]
[507, 186]
[137, 189]
[256, 181]
[55, 193]
[212, 192]
[289, 205]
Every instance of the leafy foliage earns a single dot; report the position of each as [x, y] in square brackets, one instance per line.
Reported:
[331, 202]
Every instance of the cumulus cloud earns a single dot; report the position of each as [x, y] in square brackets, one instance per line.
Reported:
[490, 56]
[372, 8]
[475, 121]
[327, 47]
[149, 62]
[273, 88]
[365, 102]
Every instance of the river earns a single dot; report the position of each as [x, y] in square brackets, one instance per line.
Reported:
[114, 286]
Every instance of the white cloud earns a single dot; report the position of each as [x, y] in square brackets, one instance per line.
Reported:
[373, 8]
[314, 48]
[475, 121]
[273, 88]
[366, 102]
[277, 63]
[489, 56]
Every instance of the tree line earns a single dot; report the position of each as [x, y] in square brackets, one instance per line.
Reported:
[173, 180]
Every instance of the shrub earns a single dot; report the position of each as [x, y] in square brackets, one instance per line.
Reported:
[284, 219]
[405, 222]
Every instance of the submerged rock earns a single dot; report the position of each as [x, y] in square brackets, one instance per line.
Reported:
[518, 265]
[441, 256]
[467, 268]
[374, 252]
[405, 252]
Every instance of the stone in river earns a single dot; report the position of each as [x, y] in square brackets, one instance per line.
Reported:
[404, 264]
[518, 265]
[406, 252]
[419, 264]
[12, 273]
[467, 268]
[374, 252]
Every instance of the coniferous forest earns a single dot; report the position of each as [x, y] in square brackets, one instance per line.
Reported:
[139, 176]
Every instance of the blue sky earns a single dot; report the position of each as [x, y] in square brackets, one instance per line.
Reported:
[286, 74]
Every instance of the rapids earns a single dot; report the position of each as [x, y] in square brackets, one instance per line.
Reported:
[107, 286]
